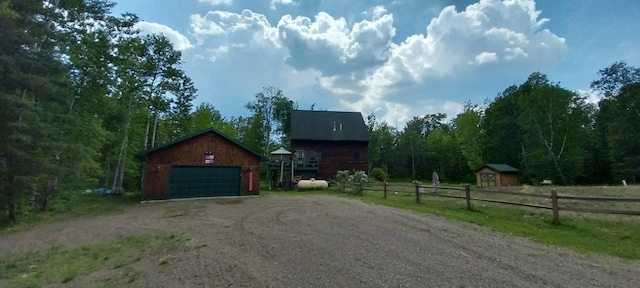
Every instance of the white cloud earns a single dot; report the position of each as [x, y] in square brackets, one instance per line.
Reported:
[217, 2]
[485, 57]
[331, 46]
[506, 33]
[179, 41]
[360, 68]
[591, 96]
[242, 53]
[375, 12]
[228, 27]
[217, 52]
[280, 2]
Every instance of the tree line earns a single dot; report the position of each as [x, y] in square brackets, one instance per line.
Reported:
[540, 127]
[81, 92]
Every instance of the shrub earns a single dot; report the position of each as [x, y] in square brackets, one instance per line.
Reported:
[379, 174]
[358, 176]
[345, 177]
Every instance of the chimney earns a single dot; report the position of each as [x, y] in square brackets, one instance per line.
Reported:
[340, 126]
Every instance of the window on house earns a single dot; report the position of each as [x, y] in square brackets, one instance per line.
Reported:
[356, 155]
[300, 158]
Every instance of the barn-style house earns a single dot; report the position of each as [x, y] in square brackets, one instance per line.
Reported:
[324, 142]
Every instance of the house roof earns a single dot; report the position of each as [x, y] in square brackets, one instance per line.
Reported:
[328, 126]
[142, 155]
[502, 168]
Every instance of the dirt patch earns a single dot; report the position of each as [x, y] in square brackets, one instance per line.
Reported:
[321, 241]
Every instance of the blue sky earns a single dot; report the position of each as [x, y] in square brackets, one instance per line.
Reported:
[398, 59]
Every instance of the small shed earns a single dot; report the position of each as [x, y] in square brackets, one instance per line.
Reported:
[497, 175]
[204, 164]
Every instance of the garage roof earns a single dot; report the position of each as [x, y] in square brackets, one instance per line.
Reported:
[143, 154]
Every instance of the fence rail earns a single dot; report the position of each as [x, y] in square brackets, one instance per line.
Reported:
[420, 191]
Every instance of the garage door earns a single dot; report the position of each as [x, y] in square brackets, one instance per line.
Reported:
[204, 181]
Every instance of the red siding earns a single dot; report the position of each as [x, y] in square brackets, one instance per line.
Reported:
[192, 152]
[336, 155]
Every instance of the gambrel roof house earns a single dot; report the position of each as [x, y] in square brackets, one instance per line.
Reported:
[325, 142]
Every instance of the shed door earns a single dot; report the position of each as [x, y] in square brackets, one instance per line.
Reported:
[204, 181]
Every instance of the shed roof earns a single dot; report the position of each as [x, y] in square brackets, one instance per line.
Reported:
[502, 168]
[328, 126]
[143, 154]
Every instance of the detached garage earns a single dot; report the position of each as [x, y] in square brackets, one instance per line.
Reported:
[204, 164]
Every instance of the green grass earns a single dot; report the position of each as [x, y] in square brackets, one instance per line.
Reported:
[35, 268]
[69, 205]
[588, 235]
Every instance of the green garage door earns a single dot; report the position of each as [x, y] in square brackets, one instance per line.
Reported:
[204, 181]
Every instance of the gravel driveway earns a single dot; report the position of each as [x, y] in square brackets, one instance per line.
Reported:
[324, 241]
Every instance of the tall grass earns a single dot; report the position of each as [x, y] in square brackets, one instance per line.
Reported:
[66, 204]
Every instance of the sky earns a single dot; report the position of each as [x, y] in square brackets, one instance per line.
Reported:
[396, 58]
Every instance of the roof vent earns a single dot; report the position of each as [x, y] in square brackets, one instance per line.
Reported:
[334, 126]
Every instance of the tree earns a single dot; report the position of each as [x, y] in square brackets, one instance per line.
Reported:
[179, 119]
[500, 138]
[32, 94]
[412, 143]
[250, 132]
[614, 78]
[73, 94]
[440, 148]
[623, 133]
[282, 115]
[161, 72]
[555, 126]
[468, 134]
[274, 110]
[614, 155]
[206, 116]
[382, 144]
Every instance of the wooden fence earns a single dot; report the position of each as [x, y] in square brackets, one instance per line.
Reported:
[434, 191]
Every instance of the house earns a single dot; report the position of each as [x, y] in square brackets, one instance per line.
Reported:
[324, 142]
[204, 164]
[497, 175]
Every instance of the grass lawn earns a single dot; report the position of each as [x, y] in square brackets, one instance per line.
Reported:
[38, 267]
[586, 233]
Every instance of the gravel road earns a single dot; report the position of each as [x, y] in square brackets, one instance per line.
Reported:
[323, 241]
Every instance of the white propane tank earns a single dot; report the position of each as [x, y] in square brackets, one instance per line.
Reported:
[313, 184]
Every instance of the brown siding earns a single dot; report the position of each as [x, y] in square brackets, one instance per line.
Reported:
[487, 170]
[191, 152]
[336, 155]
[502, 179]
[509, 179]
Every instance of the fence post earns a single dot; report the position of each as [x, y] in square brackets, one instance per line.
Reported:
[384, 184]
[554, 205]
[467, 194]
[417, 191]
[361, 190]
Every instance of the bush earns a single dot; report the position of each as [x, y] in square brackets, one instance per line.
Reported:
[379, 174]
[358, 176]
[345, 177]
